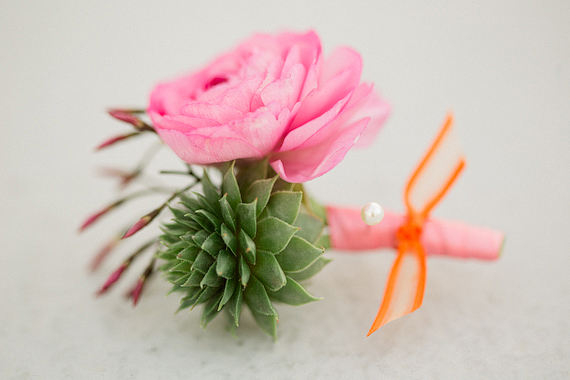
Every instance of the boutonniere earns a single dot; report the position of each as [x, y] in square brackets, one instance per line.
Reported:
[250, 128]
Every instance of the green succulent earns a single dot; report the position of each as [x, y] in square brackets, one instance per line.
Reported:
[250, 242]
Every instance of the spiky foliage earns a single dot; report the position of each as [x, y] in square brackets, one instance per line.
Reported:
[250, 242]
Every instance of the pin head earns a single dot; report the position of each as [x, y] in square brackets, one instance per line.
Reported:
[372, 213]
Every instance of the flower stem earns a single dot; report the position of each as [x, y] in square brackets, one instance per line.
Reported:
[145, 220]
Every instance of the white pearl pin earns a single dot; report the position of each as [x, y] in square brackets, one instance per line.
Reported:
[372, 213]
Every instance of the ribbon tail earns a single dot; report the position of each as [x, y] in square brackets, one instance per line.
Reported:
[405, 288]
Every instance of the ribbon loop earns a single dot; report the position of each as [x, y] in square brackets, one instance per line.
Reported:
[431, 180]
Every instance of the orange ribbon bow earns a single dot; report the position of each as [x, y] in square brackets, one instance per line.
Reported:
[431, 180]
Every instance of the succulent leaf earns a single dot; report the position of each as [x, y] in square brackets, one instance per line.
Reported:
[285, 205]
[268, 323]
[229, 290]
[205, 295]
[211, 310]
[229, 238]
[178, 246]
[310, 226]
[168, 239]
[317, 209]
[268, 271]
[293, 294]
[178, 214]
[180, 279]
[213, 244]
[247, 247]
[190, 298]
[190, 203]
[175, 229]
[226, 265]
[203, 262]
[203, 222]
[323, 241]
[195, 279]
[282, 185]
[210, 192]
[247, 217]
[260, 190]
[214, 220]
[274, 234]
[252, 172]
[231, 188]
[189, 253]
[206, 203]
[211, 278]
[228, 213]
[298, 255]
[234, 304]
[183, 266]
[257, 299]
[244, 272]
[200, 237]
[310, 271]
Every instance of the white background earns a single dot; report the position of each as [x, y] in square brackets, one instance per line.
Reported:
[502, 67]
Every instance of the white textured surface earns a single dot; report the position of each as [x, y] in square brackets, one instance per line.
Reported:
[503, 67]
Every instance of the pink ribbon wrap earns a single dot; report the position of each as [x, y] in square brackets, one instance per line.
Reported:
[439, 237]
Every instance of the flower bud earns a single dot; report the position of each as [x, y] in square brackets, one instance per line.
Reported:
[94, 217]
[125, 177]
[103, 253]
[114, 277]
[116, 139]
[136, 292]
[128, 117]
[143, 222]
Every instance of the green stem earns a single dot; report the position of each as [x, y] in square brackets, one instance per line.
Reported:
[140, 193]
[174, 172]
[146, 159]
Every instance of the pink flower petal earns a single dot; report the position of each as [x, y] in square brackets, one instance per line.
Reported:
[282, 43]
[311, 80]
[340, 75]
[262, 129]
[272, 73]
[303, 165]
[300, 135]
[315, 148]
[342, 59]
[285, 91]
[353, 111]
[168, 98]
[258, 64]
[219, 113]
[251, 137]
[378, 110]
[306, 48]
[181, 123]
[232, 94]
[203, 150]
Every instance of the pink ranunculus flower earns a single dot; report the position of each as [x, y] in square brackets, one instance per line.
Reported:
[274, 96]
